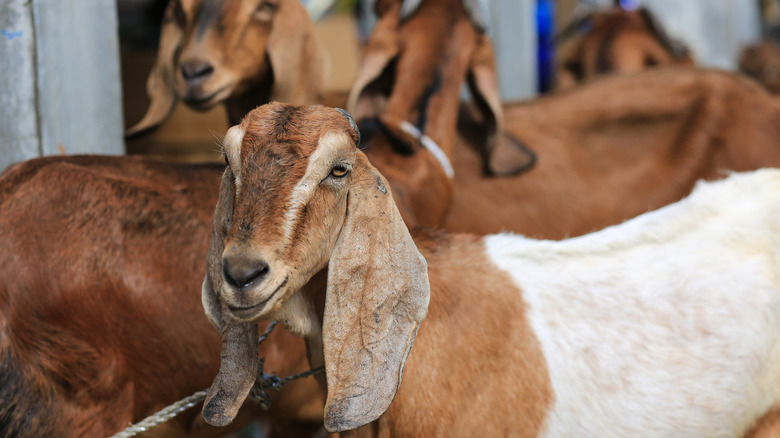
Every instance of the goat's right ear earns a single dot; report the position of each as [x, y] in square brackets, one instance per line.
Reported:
[377, 296]
[213, 281]
[240, 361]
[505, 155]
[368, 97]
[159, 85]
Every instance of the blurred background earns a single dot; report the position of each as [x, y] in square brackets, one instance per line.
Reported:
[74, 71]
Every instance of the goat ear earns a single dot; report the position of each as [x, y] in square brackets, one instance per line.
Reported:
[505, 155]
[213, 280]
[238, 369]
[237, 373]
[368, 97]
[159, 85]
[378, 294]
[298, 60]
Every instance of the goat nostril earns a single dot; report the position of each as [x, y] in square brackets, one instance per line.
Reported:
[196, 70]
[240, 275]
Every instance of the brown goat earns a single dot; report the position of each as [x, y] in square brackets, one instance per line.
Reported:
[638, 330]
[240, 53]
[100, 320]
[605, 152]
[618, 41]
[615, 148]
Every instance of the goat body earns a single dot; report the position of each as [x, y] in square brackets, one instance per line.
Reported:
[100, 322]
[613, 149]
[666, 325]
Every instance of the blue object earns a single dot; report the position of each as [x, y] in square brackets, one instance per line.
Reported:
[545, 25]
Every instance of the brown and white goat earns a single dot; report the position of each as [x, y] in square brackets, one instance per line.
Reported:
[618, 41]
[240, 53]
[667, 325]
[100, 321]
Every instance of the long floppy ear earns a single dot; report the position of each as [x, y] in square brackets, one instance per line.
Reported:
[369, 92]
[504, 155]
[159, 85]
[213, 280]
[298, 59]
[378, 294]
[240, 361]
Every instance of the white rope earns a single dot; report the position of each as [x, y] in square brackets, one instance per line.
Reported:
[431, 145]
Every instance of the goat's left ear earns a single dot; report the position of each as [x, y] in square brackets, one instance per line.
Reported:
[298, 59]
[159, 85]
[378, 294]
[505, 155]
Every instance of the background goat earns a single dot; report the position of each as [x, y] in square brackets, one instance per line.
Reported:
[572, 162]
[666, 325]
[100, 321]
[241, 54]
[617, 41]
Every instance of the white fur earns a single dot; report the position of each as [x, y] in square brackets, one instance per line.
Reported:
[232, 146]
[666, 325]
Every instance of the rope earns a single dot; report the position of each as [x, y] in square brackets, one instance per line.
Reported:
[258, 394]
[162, 416]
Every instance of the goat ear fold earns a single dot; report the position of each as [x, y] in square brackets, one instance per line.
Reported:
[378, 294]
[298, 60]
[368, 95]
[238, 369]
[505, 156]
[159, 85]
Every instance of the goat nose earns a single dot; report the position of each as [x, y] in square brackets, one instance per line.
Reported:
[196, 70]
[243, 273]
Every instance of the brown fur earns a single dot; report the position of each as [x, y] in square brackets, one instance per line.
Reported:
[615, 148]
[762, 62]
[374, 299]
[258, 50]
[100, 321]
[767, 426]
[619, 41]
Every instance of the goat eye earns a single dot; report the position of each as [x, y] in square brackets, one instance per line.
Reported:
[227, 163]
[339, 171]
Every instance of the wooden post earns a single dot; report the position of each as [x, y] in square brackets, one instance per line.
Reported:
[59, 79]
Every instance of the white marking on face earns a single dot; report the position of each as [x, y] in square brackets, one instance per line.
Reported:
[232, 145]
[329, 147]
[666, 325]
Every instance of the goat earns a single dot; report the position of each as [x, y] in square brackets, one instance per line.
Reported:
[617, 41]
[241, 54]
[667, 325]
[100, 324]
[569, 163]
[615, 148]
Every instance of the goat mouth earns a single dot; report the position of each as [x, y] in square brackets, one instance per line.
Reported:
[247, 313]
[201, 102]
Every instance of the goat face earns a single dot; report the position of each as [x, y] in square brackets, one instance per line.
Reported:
[296, 198]
[247, 52]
